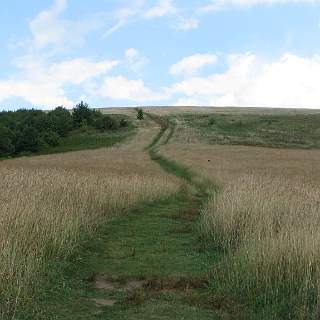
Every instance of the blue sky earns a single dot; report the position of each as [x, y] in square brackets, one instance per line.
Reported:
[160, 52]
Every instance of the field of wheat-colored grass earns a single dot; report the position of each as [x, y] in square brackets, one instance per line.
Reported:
[266, 218]
[48, 202]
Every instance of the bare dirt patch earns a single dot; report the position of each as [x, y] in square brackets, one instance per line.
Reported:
[102, 282]
[102, 302]
[177, 283]
[189, 214]
[182, 229]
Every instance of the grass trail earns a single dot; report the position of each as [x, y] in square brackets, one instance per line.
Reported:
[148, 264]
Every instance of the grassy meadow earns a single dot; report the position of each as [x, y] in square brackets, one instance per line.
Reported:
[199, 213]
[265, 218]
[48, 203]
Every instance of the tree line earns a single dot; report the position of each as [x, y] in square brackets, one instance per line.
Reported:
[25, 131]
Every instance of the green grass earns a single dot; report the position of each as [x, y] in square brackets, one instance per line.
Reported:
[157, 242]
[165, 124]
[84, 140]
[172, 166]
[285, 130]
[91, 139]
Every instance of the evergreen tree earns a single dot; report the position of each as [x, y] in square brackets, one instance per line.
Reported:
[140, 115]
[6, 143]
[29, 139]
[60, 120]
[82, 114]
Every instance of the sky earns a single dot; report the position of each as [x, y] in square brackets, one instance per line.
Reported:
[249, 53]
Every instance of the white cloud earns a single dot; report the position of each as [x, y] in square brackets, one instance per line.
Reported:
[137, 9]
[192, 64]
[163, 8]
[291, 81]
[77, 71]
[189, 102]
[187, 24]
[135, 61]
[131, 53]
[42, 82]
[43, 85]
[38, 94]
[51, 32]
[121, 88]
[215, 5]
[47, 27]
[123, 15]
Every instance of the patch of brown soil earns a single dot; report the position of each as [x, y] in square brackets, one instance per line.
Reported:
[228, 308]
[176, 283]
[102, 302]
[106, 283]
[182, 229]
[189, 214]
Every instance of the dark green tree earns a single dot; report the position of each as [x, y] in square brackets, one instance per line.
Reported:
[6, 141]
[29, 139]
[212, 121]
[123, 123]
[60, 120]
[140, 115]
[82, 114]
[110, 123]
[51, 138]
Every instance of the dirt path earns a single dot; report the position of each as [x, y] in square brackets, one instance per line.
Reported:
[148, 264]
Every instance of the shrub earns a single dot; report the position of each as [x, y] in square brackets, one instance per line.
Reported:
[98, 123]
[29, 139]
[51, 138]
[212, 121]
[110, 123]
[60, 121]
[82, 114]
[29, 130]
[6, 144]
[140, 115]
[123, 123]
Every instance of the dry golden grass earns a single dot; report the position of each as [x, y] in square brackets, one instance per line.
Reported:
[174, 111]
[266, 218]
[131, 112]
[48, 202]
[228, 163]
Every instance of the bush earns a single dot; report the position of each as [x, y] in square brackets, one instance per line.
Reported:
[82, 114]
[51, 138]
[140, 115]
[123, 123]
[60, 121]
[6, 144]
[29, 130]
[29, 139]
[98, 123]
[110, 123]
[212, 121]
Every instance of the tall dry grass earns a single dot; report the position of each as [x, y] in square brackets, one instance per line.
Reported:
[270, 229]
[266, 219]
[47, 203]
